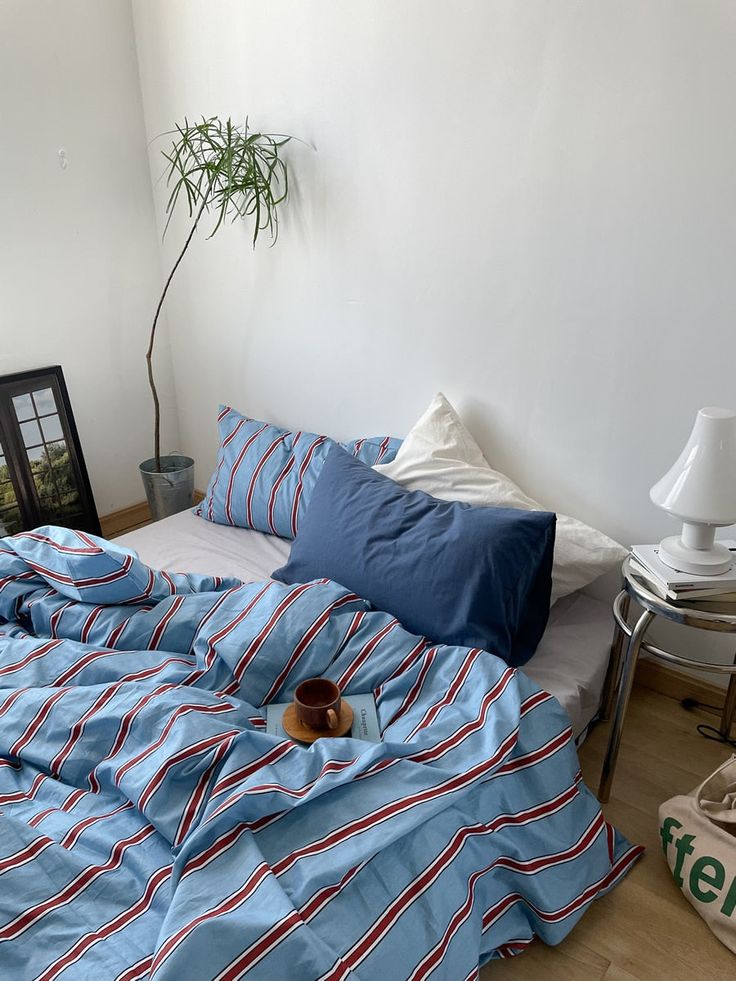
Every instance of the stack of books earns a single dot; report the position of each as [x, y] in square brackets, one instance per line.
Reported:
[683, 587]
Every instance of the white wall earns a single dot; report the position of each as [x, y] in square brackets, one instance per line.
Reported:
[529, 205]
[79, 258]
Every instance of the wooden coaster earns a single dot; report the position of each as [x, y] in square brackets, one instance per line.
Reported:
[304, 734]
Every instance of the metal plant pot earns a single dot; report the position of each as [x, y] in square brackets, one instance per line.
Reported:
[171, 490]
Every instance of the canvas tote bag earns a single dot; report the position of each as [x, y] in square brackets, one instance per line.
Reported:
[698, 833]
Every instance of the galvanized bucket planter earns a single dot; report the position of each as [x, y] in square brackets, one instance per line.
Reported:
[171, 490]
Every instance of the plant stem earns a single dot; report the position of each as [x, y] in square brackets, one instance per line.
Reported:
[149, 353]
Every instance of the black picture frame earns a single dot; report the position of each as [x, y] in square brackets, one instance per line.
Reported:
[43, 476]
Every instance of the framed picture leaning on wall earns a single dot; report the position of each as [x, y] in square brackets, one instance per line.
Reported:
[43, 478]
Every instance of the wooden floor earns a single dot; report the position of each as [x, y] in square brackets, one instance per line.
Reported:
[644, 929]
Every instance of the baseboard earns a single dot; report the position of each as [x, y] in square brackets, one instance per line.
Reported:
[128, 519]
[676, 684]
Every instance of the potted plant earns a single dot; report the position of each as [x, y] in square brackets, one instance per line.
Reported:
[230, 172]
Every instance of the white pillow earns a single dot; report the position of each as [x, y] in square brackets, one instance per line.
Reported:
[440, 457]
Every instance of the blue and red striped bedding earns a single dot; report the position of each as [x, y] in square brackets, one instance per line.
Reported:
[265, 475]
[149, 827]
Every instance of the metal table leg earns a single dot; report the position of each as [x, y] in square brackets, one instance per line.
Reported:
[625, 684]
[610, 686]
[729, 708]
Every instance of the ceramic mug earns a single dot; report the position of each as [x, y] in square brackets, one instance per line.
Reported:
[317, 703]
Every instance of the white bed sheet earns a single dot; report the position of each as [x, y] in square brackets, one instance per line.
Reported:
[570, 662]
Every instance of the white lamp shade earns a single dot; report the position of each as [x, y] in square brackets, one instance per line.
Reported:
[701, 486]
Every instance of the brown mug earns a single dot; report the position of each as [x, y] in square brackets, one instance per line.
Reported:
[317, 703]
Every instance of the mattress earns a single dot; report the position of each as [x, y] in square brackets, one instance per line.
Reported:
[570, 662]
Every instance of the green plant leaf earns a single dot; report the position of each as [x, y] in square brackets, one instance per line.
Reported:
[216, 165]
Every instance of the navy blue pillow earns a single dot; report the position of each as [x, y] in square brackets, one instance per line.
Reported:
[457, 574]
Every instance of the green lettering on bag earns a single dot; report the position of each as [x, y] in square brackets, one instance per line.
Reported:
[730, 901]
[683, 847]
[665, 832]
[699, 873]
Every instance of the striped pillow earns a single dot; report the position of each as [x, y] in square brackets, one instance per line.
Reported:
[265, 475]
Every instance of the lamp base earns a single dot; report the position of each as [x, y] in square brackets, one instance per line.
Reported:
[712, 561]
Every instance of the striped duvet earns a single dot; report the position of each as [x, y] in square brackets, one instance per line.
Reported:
[150, 828]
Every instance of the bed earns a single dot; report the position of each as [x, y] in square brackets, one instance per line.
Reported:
[570, 663]
[151, 827]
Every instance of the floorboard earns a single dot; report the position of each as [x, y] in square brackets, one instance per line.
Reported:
[644, 930]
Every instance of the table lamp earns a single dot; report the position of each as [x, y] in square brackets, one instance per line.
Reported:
[700, 490]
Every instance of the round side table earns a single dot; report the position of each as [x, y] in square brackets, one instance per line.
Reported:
[621, 673]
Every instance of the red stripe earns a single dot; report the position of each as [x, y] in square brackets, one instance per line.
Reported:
[410, 658]
[74, 833]
[413, 693]
[364, 654]
[83, 662]
[255, 645]
[76, 731]
[331, 766]
[26, 854]
[117, 631]
[221, 462]
[139, 971]
[158, 668]
[89, 623]
[279, 481]
[226, 906]
[552, 745]
[243, 772]
[234, 470]
[158, 633]
[29, 794]
[213, 851]
[202, 746]
[69, 804]
[90, 549]
[35, 724]
[451, 785]
[254, 478]
[460, 735]
[182, 709]
[12, 699]
[382, 450]
[112, 927]
[147, 591]
[434, 957]
[447, 699]
[34, 655]
[55, 618]
[498, 909]
[197, 797]
[123, 730]
[54, 576]
[220, 635]
[85, 878]
[300, 483]
[312, 631]
[11, 579]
